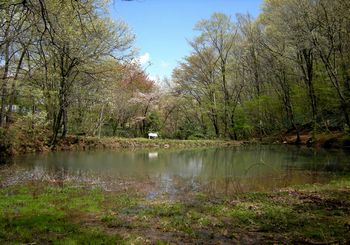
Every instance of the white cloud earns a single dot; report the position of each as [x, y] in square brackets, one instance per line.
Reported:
[144, 59]
[164, 64]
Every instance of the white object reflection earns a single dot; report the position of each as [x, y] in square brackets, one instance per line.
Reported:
[152, 155]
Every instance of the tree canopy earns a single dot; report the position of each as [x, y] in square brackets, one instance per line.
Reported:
[67, 68]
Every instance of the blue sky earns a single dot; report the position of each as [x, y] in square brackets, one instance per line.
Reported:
[162, 27]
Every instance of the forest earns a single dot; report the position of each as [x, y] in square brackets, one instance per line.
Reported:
[67, 68]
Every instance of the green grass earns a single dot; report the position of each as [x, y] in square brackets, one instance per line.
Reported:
[39, 214]
[42, 213]
[89, 143]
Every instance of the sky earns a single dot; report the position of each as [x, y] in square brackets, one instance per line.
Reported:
[162, 27]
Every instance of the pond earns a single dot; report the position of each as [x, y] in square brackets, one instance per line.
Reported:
[172, 172]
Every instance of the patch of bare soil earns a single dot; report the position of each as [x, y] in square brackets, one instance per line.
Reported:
[316, 200]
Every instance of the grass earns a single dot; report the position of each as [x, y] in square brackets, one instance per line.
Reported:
[72, 142]
[90, 143]
[37, 214]
[41, 213]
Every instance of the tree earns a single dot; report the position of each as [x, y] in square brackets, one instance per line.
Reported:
[219, 33]
[57, 47]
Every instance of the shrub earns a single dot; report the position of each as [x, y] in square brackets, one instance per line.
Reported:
[29, 133]
[196, 136]
[6, 140]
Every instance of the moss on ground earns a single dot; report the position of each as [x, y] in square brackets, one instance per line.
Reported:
[42, 213]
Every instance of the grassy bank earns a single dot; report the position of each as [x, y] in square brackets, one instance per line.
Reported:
[41, 213]
[71, 143]
[115, 143]
[13, 146]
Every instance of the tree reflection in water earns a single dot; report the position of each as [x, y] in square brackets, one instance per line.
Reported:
[173, 173]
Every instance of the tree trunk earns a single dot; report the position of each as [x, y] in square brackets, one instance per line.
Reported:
[307, 68]
[64, 122]
[331, 72]
[214, 119]
[13, 88]
[234, 134]
[100, 121]
[226, 98]
[4, 85]
[56, 127]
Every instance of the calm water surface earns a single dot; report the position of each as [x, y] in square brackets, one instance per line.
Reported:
[215, 171]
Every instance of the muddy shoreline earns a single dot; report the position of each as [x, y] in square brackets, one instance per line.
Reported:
[331, 140]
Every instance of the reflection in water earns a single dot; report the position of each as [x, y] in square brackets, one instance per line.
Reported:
[214, 171]
[152, 155]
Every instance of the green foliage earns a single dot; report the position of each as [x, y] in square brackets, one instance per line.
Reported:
[6, 141]
[189, 130]
[196, 136]
[287, 69]
[242, 124]
[65, 67]
[153, 122]
[261, 113]
[30, 132]
[27, 134]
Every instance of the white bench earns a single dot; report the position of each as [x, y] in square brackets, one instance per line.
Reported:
[152, 135]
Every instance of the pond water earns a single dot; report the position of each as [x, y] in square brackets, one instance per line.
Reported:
[174, 172]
